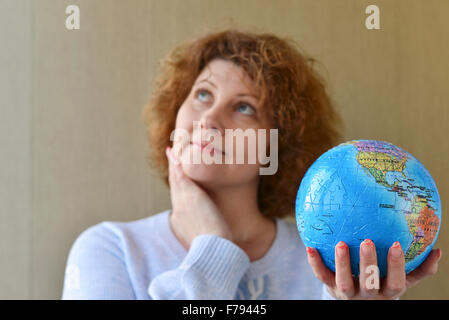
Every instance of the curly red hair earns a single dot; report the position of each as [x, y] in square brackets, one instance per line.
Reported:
[292, 93]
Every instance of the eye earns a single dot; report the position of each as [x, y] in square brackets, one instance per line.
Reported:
[246, 109]
[202, 95]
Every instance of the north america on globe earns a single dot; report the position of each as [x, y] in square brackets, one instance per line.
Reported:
[368, 189]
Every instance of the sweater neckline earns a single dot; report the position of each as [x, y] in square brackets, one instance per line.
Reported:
[256, 267]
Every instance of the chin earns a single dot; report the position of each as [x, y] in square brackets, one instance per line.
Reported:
[204, 172]
[197, 169]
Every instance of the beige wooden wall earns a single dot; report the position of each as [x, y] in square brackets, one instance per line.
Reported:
[73, 146]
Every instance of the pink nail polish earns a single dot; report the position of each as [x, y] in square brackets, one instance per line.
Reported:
[396, 244]
[367, 247]
[368, 242]
[439, 254]
[310, 252]
[341, 244]
[396, 250]
[341, 249]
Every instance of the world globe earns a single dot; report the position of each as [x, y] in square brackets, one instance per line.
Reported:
[368, 189]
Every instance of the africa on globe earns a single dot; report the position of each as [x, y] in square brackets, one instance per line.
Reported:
[368, 189]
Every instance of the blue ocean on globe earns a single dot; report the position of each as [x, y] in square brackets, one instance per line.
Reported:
[368, 189]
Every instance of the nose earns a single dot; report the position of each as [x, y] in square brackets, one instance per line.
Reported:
[212, 120]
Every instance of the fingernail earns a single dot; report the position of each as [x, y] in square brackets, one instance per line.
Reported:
[367, 248]
[310, 251]
[341, 249]
[173, 158]
[439, 254]
[396, 250]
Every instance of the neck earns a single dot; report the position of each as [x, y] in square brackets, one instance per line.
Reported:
[239, 207]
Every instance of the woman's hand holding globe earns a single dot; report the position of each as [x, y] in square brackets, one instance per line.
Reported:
[369, 214]
[342, 285]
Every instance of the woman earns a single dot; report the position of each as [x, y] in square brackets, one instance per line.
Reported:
[223, 237]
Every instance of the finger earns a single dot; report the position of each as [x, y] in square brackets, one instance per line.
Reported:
[343, 276]
[172, 170]
[181, 178]
[369, 272]
[427, 268]
[395, 282]
[172, 155]
[170, 165]
[320, 271]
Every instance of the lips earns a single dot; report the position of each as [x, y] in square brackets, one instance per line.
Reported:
[206, 145]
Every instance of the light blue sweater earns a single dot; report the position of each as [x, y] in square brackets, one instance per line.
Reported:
[143, 259]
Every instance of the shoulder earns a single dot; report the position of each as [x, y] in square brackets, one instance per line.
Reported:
[112, 235]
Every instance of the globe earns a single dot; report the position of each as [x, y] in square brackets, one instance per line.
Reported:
[368, 189]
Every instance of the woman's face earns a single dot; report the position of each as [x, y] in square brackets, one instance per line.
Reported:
[222, 97]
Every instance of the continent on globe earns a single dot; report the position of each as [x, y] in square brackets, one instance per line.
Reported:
[423, 224]
[368, 189]
[379, 159]
[379, 164]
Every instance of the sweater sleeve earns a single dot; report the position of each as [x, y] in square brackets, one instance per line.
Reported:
[212, 269]
[96, 267]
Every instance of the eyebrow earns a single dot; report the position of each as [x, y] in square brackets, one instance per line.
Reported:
[239, 95]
